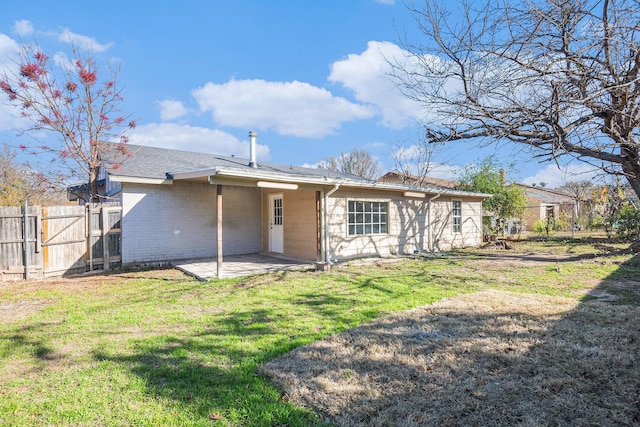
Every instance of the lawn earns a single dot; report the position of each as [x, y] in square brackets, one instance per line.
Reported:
[158, 348]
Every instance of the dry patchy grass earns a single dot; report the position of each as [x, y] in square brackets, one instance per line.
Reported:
[20, 299]
[161, 349]
[492, 358]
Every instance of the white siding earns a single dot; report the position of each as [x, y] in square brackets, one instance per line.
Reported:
[444, 237]
[407, 231]
[169, 222]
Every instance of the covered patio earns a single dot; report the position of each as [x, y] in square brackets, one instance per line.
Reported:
[240, 265]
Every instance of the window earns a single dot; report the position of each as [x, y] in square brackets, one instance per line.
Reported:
[367, 218]
[549, 211]
[456, 214]
[277, 211]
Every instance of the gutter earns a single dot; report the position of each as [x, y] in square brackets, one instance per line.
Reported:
[140, 180]
[327, 255]
[258, 174]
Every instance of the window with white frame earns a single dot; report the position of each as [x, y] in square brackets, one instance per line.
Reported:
[456, 216]
[367, 218]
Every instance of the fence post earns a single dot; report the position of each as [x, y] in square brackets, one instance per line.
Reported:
[25, 240]
[90, 236]
[573, 220]
[105, 241]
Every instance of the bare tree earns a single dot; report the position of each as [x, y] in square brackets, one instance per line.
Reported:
[561, 76]
[414, 163]
[70, 103]
[579, 190]
[357, 162]
[18, 182]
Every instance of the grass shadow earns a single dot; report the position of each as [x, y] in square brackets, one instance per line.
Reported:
[211, 376]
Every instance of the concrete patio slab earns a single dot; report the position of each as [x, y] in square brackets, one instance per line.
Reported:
[240, 265]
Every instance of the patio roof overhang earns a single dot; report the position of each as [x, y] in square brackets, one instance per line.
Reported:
[257, 178]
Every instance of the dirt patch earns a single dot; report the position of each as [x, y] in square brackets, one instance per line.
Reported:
[13, 311]
[490, 358]
[18, 298]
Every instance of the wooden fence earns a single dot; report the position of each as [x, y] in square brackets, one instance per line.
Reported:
[60, 240]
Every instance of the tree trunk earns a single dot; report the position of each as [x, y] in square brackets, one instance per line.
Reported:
[633, 176]
[93, 186]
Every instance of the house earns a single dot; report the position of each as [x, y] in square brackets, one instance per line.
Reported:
[543, 203]
[425, 181]
[180, 205]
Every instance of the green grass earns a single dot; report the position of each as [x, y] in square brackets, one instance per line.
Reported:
[157, 348]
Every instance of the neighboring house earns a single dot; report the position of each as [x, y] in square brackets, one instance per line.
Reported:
[543, 203]
[107, 191]
[180, 205]
[399, 178]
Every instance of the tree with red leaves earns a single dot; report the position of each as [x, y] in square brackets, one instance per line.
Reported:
[72, 104]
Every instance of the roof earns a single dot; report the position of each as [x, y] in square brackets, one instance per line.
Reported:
[545, 195]
[155, 165]
[155, 162]
[400, 178]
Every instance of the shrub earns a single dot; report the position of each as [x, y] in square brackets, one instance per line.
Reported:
[627, 222]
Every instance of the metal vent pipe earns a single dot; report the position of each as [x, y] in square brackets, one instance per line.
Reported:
[252, 149]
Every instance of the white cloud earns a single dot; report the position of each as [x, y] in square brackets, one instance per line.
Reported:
[23, 28]
[171, 110]
[82, 42]
[8, 53]
[444, 171]
[10, 117]
[289, 108]
[367, 74]
[197, 139]
[62, 60]
[315, 165]
[555, 177]
[438, 170]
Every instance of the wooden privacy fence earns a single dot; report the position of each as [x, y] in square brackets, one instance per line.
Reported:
[59, 240]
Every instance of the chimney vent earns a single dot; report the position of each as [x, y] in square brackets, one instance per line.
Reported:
[252, 149]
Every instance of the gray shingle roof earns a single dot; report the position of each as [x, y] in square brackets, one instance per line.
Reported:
[158, 163]
[154, 162]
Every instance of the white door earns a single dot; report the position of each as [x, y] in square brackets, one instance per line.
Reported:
[276, 234]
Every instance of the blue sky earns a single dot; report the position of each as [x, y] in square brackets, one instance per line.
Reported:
[308, 76]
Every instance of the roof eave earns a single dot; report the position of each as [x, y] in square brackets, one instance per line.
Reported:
[290, 178]
[299, 179]
[139, 179]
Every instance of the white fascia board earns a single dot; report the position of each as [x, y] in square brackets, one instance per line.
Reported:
[202, 173]
[426, 190]
[321, 180]
[259, 175]
[140, 180]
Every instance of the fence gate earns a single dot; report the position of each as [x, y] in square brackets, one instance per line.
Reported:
[64, 242]
[15, 250]
[60, 240]
[104, 235]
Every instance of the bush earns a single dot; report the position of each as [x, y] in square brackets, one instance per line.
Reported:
[549, 226]
[627, 222]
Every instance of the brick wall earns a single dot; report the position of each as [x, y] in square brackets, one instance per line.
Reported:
[169, 222]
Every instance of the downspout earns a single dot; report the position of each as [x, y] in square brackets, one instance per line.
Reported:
[327, 256]
[429, 227]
